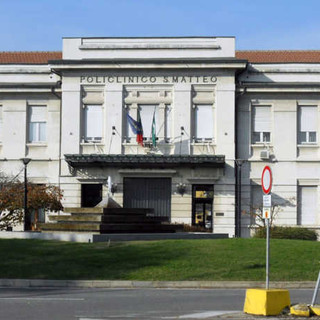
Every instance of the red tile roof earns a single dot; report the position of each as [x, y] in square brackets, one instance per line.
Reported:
[272, 56]
[280, 56]
[29, 57]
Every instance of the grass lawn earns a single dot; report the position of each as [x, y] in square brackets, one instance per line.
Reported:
[225, 259]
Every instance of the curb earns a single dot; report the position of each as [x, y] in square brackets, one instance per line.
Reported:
[38, 283]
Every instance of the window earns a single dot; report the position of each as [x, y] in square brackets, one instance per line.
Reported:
[307, 124]
[1, 123]
[203, 122]
[93, 123]
[168, 123]
[37, 124]
[261, 124]
[307, 205]
[146, 113]
[163, 121]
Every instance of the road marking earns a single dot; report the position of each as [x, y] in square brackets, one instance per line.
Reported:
[44, 299]
[201, 315]
[135, 316]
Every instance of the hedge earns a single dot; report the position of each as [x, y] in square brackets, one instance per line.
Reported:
[288, 233]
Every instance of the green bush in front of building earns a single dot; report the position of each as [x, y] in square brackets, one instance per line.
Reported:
[287, 233]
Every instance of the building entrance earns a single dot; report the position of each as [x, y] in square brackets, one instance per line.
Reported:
[91, 195]
[154, 193]
[202, 200]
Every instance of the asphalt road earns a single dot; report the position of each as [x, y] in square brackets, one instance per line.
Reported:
[115, 304]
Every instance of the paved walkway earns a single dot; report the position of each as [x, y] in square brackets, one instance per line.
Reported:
[243, 316]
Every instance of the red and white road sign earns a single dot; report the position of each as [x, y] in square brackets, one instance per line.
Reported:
[266, 180]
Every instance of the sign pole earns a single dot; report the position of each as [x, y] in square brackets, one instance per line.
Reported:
[266, 184]
[267, 252]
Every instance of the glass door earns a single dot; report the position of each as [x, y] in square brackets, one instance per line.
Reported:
[202, 211]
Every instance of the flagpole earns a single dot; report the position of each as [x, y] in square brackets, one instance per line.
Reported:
[153, 129]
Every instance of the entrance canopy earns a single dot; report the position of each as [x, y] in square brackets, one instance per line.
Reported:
[144, 161]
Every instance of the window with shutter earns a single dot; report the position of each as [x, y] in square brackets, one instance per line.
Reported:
[307, 124]
[203, 122]
[1, 123]
[93, 123]
[261, 124]
[307, 205]
[168, 123]
[146, 113]
[37, 124]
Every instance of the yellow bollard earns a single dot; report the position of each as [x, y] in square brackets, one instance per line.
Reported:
[267, 302]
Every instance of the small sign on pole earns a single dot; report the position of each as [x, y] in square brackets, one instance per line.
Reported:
[266, 184]
[267, 200]
[266, 213]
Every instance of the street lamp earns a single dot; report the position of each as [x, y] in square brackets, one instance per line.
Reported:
[25, 203]
[239, 163]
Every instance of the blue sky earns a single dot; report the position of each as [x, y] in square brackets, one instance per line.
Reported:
[29, 25]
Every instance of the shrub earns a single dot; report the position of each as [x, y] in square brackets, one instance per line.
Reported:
[189, 228]
[287, 233]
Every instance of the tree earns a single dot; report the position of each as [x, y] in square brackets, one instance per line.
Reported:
[45, 197]
[278, 204]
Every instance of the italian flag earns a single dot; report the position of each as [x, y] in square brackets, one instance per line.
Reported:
[153, 130]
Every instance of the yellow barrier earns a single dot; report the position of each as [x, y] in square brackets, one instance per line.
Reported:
[266, 302]
[301, 310]
[315, 309]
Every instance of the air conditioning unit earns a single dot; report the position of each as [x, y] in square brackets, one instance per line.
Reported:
[265, 154]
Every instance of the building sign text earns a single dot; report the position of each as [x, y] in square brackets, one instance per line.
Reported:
[146, 79]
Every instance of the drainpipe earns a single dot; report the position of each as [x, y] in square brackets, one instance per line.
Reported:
[53, 91]
[237, 161]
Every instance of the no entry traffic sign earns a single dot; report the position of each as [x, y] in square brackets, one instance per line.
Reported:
[266, 180]
[266, 184]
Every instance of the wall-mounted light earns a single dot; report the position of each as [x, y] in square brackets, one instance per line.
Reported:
[182, 130]
[114, 188]
[181, 188]
[113, 130]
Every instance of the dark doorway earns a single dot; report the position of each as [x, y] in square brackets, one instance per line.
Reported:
[202, 201]
[152, 193]
[37, 216]
[91, 195]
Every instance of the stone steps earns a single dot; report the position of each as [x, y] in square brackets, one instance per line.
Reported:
[70, 226]
[137, 228]
[76, 218]
[108, 228]
[119, 218]
[108, 220]
[130, 219]
[75, 210]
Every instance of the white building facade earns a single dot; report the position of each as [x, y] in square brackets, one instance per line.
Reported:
[206, 111]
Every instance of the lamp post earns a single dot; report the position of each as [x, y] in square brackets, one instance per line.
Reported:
[25, 203]
[239, 163]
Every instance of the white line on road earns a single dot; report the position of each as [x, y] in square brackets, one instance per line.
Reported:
[201, 315]
[44, 299]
